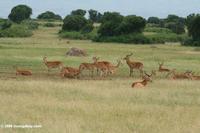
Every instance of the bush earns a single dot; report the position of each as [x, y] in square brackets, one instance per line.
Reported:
[77, 35]
[20, 13]
[157, 30]
[130, 38]
[16, 31]
[49, 15]
[165, 37]
[5, 24]
[30, 24]
[191, 42]
[49, 25]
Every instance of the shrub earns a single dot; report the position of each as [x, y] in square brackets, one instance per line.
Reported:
[20, 13]
[16, 31]
[30, 24]
[77, 35]
[5, 25]
[157, 30]
[49, 25]
[130, 38]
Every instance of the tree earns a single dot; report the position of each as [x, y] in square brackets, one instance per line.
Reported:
[49, 15]
[110, 23]
[131, 24]
[194, 28]
[94, 15]
[78, 12]
[112, 16]
[20, 13]
[153, 20]
[74, 23]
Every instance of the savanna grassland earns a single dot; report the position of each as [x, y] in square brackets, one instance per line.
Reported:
[87, 105]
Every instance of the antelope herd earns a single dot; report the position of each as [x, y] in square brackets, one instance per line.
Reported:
[106, 68]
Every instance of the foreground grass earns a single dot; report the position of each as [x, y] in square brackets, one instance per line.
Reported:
[100, 106]
[109, 105]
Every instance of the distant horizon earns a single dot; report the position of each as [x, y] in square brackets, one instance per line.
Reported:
[158, 8]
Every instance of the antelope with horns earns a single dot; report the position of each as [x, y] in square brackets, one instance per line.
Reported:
[101, 66]
[163, 70]
[185, 75]
[52, 64]
[133, 64]
[87, 66]
[144, 82]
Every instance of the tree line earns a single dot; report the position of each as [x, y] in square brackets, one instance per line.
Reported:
[113, 25]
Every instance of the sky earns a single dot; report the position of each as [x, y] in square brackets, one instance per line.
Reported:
[145, 8]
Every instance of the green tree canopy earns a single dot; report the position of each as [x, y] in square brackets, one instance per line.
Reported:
[49, 15]
[20, 13]
[78, 12]
[194, 28]
[74, 23]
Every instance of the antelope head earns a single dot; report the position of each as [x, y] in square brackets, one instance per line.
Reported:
[128, 56]
[147, 77]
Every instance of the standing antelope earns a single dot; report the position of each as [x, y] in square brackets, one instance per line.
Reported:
[23, 72]
[141, 84]
[70, 72]
[101, 66]
[134, 65]
[52, 64]
[87, 66]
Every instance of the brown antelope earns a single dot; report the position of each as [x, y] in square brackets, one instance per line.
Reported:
[195, 77]
[87, 66]
[101, 66]
[143, 83]
[134, 65]
[186, 75]
[112, 68]
[52, 64]
[70, 72]
[162, 69]
[23, 72]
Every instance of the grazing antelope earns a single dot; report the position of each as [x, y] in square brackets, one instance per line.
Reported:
[70, 72]
[23, 72]
[101, 66]
[87, 66]
[68, 42]
[112, 68]
[52, 64]
[134, 65]
[143, 83]
[186, 75]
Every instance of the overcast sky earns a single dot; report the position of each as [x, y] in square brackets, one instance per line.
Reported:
[145, 8]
